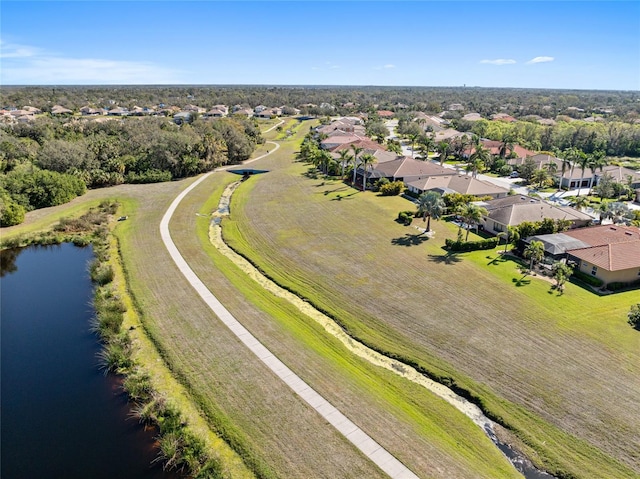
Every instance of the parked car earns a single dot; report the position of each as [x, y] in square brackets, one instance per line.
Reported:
[514, 174]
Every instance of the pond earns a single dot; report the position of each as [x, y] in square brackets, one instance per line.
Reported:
[61, 416]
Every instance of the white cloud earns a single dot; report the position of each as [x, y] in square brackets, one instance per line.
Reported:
[499, 61]
[25, 65]
[388, 66]
[541, 60]
[12, 50]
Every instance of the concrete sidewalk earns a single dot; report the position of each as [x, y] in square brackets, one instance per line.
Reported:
[374, 451]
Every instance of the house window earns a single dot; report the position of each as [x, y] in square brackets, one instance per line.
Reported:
[594, 270]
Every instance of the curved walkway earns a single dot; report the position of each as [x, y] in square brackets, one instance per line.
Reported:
[374, 451]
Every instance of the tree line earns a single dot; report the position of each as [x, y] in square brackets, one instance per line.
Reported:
[344, 100]
[49, 161]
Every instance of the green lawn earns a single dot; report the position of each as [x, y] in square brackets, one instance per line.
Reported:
[561, 371]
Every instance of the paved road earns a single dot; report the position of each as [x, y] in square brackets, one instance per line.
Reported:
[374, 451]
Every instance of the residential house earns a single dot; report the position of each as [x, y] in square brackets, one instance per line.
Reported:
[385, 114]
[60, 110]
[217, 111]
[334, 141]
[403, 169]
[248, 112]
[183, 117]
[32, 110]
[516, 209]
[495, 146]
[194, 109]
[431, 122]
[269, 113]
[611, 253]
[503, 117]
[464, 184]
[541, 160]
[89, 111]
[472, 117]
[448, 135]
[342, 124]
[620, 174]
[118, 111]
[455, 106]
[377, 151]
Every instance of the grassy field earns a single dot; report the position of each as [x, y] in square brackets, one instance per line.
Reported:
[562, 371]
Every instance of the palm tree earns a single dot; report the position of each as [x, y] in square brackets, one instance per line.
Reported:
[505, 235]
[540, 177]
[596, 160]
[443, 149]
[430, 205]
[461, 145]
[478, 159]
[616, 211]
[345, 158]
[583, 160]
[471, 214]
[507, 145]
[356, 151]
[535, 253]
[551, 167]
[366, 160]
[580, 202]
[413, 137]
[426, 145]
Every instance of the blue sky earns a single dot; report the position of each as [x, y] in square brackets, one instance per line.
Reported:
[541, 44]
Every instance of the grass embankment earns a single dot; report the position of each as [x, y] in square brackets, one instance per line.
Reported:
[424, 432]
[560, 371]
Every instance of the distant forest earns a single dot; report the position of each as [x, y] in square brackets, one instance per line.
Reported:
[625, 105]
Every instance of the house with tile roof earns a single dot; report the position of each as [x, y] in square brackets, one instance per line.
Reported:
[494, 147]
[541, 160]
[516, 209]
[587, 178]
[403, 169]
[464, 184]
[611, 253]
[60, 110]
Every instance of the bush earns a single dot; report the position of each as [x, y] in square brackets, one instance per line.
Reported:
[392, 189]
[405, 217]
[619, 285]
[471, 245]
[149, 176]
[634, 316]
[587, 278]
[11, 213]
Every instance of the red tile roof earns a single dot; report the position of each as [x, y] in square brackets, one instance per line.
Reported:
[611, 257]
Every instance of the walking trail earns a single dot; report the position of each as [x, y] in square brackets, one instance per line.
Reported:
[374, 451]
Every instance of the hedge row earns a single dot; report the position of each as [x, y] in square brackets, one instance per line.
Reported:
[471, 245]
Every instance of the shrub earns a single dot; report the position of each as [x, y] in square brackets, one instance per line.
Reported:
[471, 245]
[149, 176]
[620, 285]
[405, 217]
[634, 316]
[587, 278]
[392, 189]
[101, 274]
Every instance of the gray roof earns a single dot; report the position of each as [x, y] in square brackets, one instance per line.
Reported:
[558, 243]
